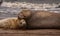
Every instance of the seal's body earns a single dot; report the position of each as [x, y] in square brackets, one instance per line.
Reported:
[40, 19]
[12, 23]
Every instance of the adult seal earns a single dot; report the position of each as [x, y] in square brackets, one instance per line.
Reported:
[40, 19]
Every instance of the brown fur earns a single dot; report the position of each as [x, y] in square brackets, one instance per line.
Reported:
[12, 23]
[40, 19]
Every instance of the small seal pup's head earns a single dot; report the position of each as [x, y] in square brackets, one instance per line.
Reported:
[21, 22]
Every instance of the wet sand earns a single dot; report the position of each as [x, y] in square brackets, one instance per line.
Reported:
[40, 32]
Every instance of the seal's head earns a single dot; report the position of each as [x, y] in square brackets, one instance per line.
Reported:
[21, 23]
[24, 14]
